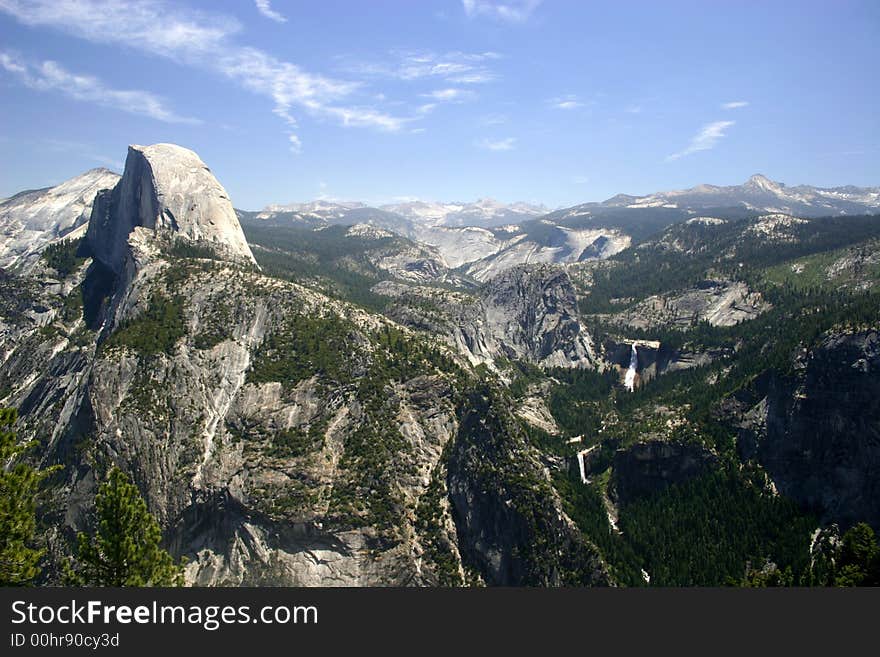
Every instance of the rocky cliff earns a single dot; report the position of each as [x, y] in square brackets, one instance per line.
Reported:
[654, 358]
[32, 220]
[496, 531]
[168, 190]
[528, 312]
[647, 468]
[816, 430]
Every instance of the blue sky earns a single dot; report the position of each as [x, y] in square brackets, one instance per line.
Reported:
[551, 101]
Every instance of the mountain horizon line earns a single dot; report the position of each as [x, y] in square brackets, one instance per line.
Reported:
[759, 180]
[756, 181]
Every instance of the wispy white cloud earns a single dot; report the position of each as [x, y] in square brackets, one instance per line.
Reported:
[455, 67]
[567, 102]
[705, 139]
[206, 41]
[475, 77]
[265, 8]
[633, 109]
[506, 144]
[449, 95]
[510, 11]
[51, 76]
[152, 26]
[289, 86]
[736, 104]
[580, 180]
[362, 117]
[295, 144]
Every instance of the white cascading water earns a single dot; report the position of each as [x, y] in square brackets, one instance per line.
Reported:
[630, 380]
[582, 465]
[580, 458]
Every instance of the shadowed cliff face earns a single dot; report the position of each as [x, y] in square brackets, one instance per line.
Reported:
[817, 431]
[656, 359]
[270, 480]
[257, 479]
[823, 430]
[647, 468]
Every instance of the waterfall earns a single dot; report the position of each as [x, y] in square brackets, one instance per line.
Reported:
[630, 380]
[580, 458]
[582, 466]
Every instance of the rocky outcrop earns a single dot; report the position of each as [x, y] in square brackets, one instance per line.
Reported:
[530, 313]
[484, 254]
[32, 220]
[425, 308]
[410, 262]
[169, 191]
[243, 476]
[655, 358]
[647, 468]
[718, 302]
[817, 430]
[527, 313]
[853, 268]
[550, 244]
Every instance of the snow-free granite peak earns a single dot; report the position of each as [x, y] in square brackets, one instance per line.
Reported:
[167, 189]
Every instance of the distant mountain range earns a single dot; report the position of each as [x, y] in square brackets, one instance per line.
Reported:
[485, 213]
[758, 193]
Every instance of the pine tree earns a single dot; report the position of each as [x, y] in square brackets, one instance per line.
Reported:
[858, 557]
[19, 484]
[126, 549]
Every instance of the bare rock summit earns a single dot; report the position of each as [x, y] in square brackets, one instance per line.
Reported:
[166, 189]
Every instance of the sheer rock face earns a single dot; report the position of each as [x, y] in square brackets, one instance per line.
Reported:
[648, 467]
[817, 431]
[526, 313]
[198, 438]
[169, 190]
[530, 313]
[655, 359]
[184, 423]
